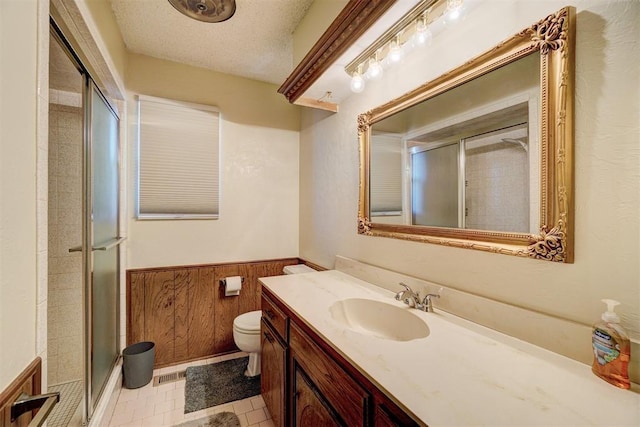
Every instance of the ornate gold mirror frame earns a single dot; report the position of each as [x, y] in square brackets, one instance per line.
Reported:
[554, 39]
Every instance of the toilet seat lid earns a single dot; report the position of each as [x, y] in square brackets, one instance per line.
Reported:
[248, 322]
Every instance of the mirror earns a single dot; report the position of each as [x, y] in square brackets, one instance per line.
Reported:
[480, 157]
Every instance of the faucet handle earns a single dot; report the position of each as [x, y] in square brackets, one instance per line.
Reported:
[427, 303]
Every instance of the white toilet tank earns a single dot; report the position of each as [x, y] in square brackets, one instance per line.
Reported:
[297, 269]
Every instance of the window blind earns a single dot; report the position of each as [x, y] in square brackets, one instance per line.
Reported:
[385, 176]
[178, 159]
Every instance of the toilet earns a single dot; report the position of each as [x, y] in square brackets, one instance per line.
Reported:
[246, 328]
[246, 334]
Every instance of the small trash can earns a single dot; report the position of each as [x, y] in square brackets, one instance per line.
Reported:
[138, 364]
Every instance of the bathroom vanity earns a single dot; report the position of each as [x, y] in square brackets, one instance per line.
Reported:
[308, 383]
[337, 350]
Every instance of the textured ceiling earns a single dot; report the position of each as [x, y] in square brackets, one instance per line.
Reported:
[255, 43]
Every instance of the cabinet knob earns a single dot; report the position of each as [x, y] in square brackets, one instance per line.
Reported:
[270, 314]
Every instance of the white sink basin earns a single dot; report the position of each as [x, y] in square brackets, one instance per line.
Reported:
[379, 319]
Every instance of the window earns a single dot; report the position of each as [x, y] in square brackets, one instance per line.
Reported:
[386, 176]
[178, 159]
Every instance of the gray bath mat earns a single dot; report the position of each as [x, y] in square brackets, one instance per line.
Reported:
[218, 383]
[223, 419]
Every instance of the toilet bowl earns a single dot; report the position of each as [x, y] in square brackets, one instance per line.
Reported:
[246, 328]
[246, 334]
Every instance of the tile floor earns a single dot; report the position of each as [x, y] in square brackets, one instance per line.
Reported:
[151, 406]
[64, 411]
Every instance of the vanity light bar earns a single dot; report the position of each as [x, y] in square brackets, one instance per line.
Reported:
[391, 34]
[400, 31]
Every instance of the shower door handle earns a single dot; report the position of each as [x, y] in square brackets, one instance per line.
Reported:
[110, 244]
[43, 402]
[104, 247]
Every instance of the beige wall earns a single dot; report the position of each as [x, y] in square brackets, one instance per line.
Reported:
[259, 170]
[607, 159]
[320, 15]
[18, 60]
[315, 22]
[106, 26]
[64, 302]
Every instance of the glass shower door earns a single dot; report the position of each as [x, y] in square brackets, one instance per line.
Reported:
[434, 186]
[101, 231]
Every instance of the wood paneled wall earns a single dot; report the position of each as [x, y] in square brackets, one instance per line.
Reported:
[183, 309]
[29, 382]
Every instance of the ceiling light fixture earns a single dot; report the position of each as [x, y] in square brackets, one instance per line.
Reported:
[357, 82]
[409, 31]
[206, 10]
[374, 69]
[423, 36]
[454, 8]
[395, 50]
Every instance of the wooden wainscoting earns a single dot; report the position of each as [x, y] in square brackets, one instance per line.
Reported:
[29, 382]
[183, 309]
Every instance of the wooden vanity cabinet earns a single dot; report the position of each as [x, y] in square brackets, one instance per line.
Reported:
[273, 361]
[315, 386]
[274, 329]
[308, 406]
[389, 415]
[342, 394]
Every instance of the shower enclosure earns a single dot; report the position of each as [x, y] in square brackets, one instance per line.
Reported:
[479, 181]
[478, 170]
[83, 255]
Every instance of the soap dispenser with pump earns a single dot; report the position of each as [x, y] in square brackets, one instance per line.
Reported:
[611, 348]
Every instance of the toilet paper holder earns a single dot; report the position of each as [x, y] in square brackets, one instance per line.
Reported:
[223, 282]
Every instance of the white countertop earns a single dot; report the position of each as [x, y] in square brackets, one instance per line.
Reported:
[461, 374]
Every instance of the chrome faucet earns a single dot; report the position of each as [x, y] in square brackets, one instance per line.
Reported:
[412, 299]
[427, 304]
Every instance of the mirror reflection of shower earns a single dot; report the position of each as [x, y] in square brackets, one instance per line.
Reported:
[520, 142]
[496, 173]
[479, 172]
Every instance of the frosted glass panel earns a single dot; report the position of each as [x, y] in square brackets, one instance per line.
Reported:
[105, 293]
[434, 187]
[104, 286]
[497, 177]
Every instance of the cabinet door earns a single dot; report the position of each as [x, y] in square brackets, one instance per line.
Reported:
[308, 408]
[337, 387]
[387, 415]
[273, 374]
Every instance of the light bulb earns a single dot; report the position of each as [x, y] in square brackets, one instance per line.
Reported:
[357, 82]
[454, 9]
[423, 36]
[395, 52]
[374, 71]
